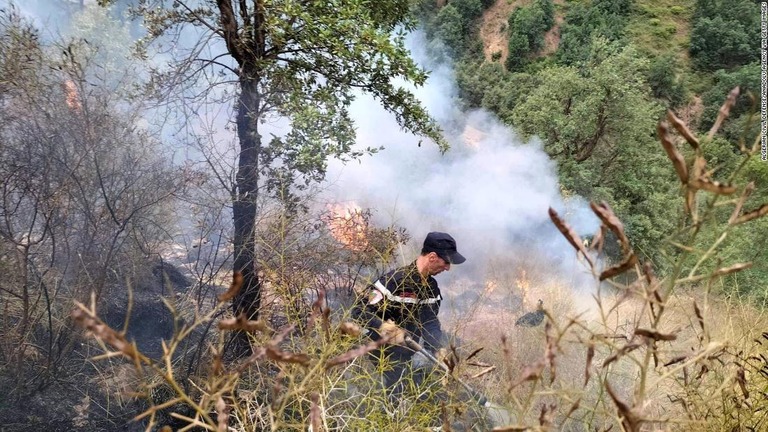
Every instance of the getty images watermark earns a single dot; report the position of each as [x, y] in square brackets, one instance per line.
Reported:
[763, 87]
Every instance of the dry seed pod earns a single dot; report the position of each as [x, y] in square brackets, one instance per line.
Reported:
[234, 287]
[655, 335]
[732, 269]
[620, 268]
[547, 416]
[754, 214]
[222, 415]
[573, 408]
[484, 372]
[690, 200]
[88, 320]
[351, 329]
[606, 215]
[275, 353]
[315, 417]
[672, 153]
[626, 349]
[743, 198]
[741, 379]
[683, 129]
[730, 101]
[630, 418]
[711, 186]
[242, 323]
[569, 234]
[530, 373]
[590, 356]
[699, 164]
[355, 353]
[598, 240]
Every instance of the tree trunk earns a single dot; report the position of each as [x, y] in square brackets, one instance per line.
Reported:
[244, 212]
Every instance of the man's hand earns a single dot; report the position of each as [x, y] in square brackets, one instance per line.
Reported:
[393, 332]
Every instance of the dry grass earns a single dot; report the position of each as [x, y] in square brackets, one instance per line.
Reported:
[633, 352]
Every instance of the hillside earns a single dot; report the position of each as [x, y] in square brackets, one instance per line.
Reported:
[590, 77]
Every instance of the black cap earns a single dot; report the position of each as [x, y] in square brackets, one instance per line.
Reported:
[444, 246]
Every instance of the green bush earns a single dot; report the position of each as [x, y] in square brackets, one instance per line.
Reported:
[677, 10]
[664, 82]
[725, 34]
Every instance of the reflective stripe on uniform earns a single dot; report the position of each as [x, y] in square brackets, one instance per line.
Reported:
[382, 289]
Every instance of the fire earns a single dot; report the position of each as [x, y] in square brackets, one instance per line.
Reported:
[490, 286]
[523, 284]
[472, 137]
[349, 226]
[73, 97]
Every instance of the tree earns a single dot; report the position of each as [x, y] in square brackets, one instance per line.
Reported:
[83, 193]
[725, 34]
[585, 23]
[663, 79]
[449, 28]
[301, 61]
[527, 26]
[595, 123]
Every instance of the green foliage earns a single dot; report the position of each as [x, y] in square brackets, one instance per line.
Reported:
[527, 26]
[449, 27]
[468, 9]
[583, 23]
[454, 24]
[664, 82]
[613, 7]
[595, 121]
[518, 50]
[747, 78]
[725, 34]
[491, 86]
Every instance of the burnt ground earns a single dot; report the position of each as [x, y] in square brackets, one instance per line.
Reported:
[81, 394]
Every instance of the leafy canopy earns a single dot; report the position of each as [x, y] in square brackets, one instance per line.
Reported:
[300, 60]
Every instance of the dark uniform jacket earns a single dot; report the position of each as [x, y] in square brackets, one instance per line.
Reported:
[406, 298]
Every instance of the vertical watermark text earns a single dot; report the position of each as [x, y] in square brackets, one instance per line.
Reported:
[763, 73]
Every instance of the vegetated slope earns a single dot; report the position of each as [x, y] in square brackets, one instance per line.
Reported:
[493, 28]
[494, 35]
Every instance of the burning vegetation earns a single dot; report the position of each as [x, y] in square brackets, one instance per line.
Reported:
[349, 225]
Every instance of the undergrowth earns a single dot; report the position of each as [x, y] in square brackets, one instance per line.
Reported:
[652, 352]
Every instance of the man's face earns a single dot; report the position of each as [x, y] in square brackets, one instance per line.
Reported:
[437, 265]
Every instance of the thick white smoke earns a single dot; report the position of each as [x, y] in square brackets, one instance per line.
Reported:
[491, 191]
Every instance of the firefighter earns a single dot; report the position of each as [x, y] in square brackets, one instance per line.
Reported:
[406, 301]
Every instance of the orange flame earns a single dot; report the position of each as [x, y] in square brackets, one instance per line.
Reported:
[349, 226]
[523, 284]
[73, 97]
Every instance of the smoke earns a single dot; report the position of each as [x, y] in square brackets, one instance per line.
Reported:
[491, 190]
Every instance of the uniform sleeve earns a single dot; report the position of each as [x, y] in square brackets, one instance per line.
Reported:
[367, 315]
[431, 331]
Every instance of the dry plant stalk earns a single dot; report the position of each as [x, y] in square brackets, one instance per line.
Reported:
[630, 419]
[683, 129]
[569, 235]
[674, 155]
[748, 189]
[609, 219]
[234, 288]
[88, 320]
[725, 110]
[751, 215]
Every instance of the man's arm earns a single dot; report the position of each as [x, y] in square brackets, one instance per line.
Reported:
[431, 331]
[367, 314]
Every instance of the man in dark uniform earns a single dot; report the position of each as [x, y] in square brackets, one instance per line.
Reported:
[406, 301]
